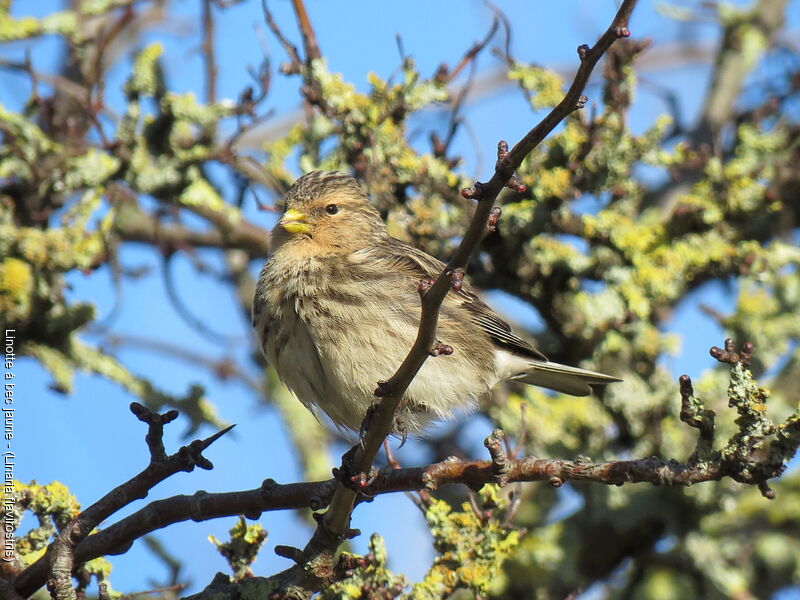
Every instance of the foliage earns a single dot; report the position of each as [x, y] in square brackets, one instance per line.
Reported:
[241, 550]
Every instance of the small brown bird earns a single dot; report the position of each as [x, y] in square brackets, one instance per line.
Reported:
[337, 309]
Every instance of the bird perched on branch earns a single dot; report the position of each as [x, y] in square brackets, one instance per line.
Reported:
[337, 309]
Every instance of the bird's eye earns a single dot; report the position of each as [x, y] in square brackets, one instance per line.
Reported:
[332, 209]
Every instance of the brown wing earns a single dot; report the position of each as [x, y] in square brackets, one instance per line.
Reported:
[421, 265]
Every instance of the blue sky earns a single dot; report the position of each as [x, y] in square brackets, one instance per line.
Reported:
[94, 443]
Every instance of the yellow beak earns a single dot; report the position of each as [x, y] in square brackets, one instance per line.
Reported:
[294, 221]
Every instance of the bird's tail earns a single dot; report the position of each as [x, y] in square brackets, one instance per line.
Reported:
[561, 378]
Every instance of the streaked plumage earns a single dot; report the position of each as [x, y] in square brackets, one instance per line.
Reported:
[337, 309]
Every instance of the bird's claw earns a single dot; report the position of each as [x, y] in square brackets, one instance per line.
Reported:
[401, 430]
[357, 482]
[365, 423]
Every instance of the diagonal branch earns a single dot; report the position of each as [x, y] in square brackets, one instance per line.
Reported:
[290, 49]
[333, 527]
[394, 388]
[447, 76]
[309, 37]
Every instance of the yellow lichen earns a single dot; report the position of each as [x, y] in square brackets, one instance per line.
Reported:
[16, 285]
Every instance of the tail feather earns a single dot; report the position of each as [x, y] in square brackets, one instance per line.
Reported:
[562, 378]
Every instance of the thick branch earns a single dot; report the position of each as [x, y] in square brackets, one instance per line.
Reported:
[272, 496]
[135, 225]
[742, 458]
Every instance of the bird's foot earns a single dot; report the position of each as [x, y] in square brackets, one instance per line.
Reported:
[399, 428]
[366, 422]
[356, 481]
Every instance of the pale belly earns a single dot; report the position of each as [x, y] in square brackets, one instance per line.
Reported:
[336, 367]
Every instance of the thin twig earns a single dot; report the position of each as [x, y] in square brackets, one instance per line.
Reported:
[222, 368]
[104, 39]
[178, 587]
[389, 456]
[289, 48]
[472, 53]
[309, 38]
[209, 56]
[458, 104]
[195, 322]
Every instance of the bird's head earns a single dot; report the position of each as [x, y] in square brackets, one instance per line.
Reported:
[327, 212]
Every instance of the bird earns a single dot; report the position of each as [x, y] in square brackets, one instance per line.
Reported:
[336, 309]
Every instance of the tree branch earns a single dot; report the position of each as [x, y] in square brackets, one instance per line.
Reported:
[732, 66]
[134, 225]
[209, 56]
[333, 527]
[296, 63]
[742, 458]
[272, 496]
[309, 38]
[61, 556]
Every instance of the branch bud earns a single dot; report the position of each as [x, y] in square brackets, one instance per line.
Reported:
[474, 192]
[457, 279]
[494, 218]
